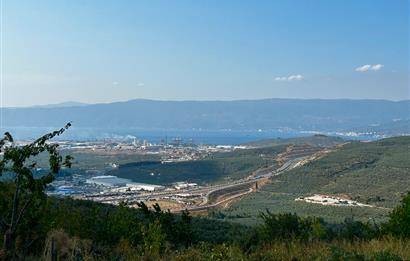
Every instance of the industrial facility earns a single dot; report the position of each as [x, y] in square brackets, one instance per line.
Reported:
[120, 183]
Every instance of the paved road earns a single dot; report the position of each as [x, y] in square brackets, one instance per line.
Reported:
[204, 192]
[285, 167]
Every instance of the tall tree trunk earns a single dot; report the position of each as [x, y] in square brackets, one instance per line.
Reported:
[8, 244]
[53, 250]
[15, 205]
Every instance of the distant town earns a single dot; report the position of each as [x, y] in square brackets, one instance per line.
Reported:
[97, 182]
[97, 185]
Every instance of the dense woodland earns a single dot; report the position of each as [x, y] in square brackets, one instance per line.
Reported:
[37, 227]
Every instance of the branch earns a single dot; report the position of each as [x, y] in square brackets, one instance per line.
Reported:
[42, 140]
[21, 213]
[7, 138]
[15, 204]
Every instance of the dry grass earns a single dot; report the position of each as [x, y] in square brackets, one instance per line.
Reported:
[164, 204]
[68, 248]
[63, 247]
[324, 250]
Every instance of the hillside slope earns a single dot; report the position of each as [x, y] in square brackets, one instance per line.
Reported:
[218, 167]
[222, 166]
[317, 140]
[375, 173]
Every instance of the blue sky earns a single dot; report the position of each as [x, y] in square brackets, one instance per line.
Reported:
[102, 51]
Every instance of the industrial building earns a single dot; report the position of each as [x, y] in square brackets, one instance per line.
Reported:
[142, 186]
[108, 181]
[184, 185]
[116, 182]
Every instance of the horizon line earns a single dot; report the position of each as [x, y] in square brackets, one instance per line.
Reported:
[50, 105]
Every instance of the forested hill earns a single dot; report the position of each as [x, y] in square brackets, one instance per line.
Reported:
[320, 115]
[375, 173]
[317, 140]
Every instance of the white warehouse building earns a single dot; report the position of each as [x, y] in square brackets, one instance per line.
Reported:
[113, 181]
[107, 181]
[142, 186]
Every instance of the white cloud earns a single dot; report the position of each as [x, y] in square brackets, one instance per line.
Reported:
[363, 68]
[140, 84]
[296, 77]
[115, 83]
[369, 67]
[377, 67]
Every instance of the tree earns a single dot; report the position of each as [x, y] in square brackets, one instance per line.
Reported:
[19, 163]
[399, 222]
[154, 239]
[284, 226]
[124, 224]
[186, 235]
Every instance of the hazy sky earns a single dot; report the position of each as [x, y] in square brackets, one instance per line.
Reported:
[102, 51]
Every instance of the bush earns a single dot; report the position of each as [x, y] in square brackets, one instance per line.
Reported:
[353, 230]
[399, 222]
[285, 226]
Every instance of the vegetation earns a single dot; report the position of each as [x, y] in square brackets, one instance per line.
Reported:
[92, 162]
[74, 230]
[67, 229]
[317, 140]
[399, 222]
[375, 173]
[100, 161]
[27, 191]
[215, 168]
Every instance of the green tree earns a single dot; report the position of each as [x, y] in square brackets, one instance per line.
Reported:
[399, 222]
[284, 226]
[353, 230]
[18, 162]
[124, 225]
[154, 239]
[319, 229]
[185, 235]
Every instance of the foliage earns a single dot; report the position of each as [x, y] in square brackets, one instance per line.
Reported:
[154, 239]
[97, 231]
[399, 222]
[68, 229]
[284, 226]
[367, 172]
[28, 191]
[363, 171]
[212, 169]
[317, 140]
[61, 246]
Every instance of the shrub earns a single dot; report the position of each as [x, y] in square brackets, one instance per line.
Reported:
[399, 222]
[285, 226]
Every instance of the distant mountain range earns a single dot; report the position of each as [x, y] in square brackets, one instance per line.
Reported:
[268, 114]
[60, 105]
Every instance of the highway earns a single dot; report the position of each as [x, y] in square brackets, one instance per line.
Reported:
[131, 197]
[250, 180]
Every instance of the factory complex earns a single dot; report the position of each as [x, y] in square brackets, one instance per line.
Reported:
[121, 183]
